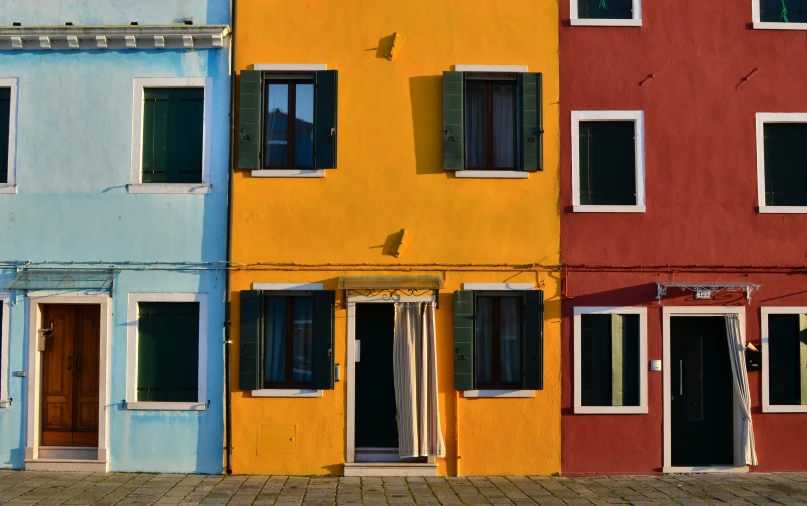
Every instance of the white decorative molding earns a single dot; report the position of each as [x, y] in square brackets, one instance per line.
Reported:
[114, 37]
[761, 119]
[748, 288]
[765, 313]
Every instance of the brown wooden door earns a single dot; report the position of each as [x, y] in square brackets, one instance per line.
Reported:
[70, 372]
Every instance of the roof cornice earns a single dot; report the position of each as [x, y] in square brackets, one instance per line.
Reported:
[114, 37]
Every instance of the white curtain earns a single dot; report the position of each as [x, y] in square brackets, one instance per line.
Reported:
[415, 371]
[737, 354]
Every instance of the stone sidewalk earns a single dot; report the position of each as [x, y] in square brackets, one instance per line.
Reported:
[23, 487]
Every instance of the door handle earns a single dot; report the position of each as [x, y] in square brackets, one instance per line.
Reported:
[680, 377]
[78, 366]
[70, 362]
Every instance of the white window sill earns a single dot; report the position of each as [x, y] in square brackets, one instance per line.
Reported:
[287, 392]
[288, 173]
[8, 188]
[711, 469]
[605, 22]
[492, 174]
[608, 209]
[778, 408]
[498, 394]
[166, 406]
[5, 403]
[610, 410]
[766, 25]
[782, 209]
[171, 188]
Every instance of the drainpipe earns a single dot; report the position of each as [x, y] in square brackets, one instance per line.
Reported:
[228, 409]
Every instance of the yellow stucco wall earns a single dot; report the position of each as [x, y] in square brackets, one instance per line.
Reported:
[390, 177]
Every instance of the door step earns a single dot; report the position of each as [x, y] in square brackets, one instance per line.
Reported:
[77, 465]
[368, 469]
[68, 452]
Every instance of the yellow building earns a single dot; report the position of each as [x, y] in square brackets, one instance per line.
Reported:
[422, 166]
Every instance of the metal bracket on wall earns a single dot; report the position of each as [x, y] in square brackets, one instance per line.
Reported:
[395, 294]
[700, 289]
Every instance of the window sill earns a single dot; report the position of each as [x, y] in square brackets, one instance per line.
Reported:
[610, 410]
[287, 392]
[170, 188]
[608, 209]
[767, 25]
[8, 188]
[492, 174]
[165, 406]
[777, 408]
[605, 22]
[288, 173]
[5, 403]
[782, 209]
[710, 469]
[498, 394]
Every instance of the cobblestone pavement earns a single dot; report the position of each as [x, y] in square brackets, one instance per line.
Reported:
[24, 487]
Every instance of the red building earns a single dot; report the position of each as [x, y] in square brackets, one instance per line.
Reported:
[683, 189]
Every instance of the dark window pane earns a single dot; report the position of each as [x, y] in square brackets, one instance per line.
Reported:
[168, 351]
[476, 100]
[304, 130]
[498, 341]
[504, 125]
[784, 364]
[609, 349]
[173, 132]
[303, 343]
[5, 114]
[777, 11]
[484, 340]
[510, 339]
[277, 121]
[785, 164]
[275, 345]
[607, 163]
[605, 9]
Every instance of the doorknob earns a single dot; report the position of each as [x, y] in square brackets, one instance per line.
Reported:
[78, 366]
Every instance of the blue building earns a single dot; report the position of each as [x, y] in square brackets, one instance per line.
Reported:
[114, 156]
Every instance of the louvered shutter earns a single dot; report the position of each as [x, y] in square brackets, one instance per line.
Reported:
[251, 340]
[453, 121]
[464, 340]
[250, 120]
[325, 108]
[530, 119]
[534, 340]
[323, 336]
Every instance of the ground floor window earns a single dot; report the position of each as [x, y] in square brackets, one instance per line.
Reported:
[784, 343]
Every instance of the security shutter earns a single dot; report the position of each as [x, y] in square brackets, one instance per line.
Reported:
[453, 120]
[325, 108]
[464, 340]
[531, 123]
[323, 336]
[534, 340]
[251, 340]
[250, 120]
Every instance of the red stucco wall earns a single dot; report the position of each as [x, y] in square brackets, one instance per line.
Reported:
[701, 188]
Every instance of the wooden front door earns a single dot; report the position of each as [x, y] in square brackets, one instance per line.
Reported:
[702, 392]
[70, 371]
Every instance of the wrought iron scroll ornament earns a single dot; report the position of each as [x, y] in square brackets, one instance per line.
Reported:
[748, 288]
[391, 294]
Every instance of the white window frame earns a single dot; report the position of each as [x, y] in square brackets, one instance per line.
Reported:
[767, 407]
[289, 173]
[5, 377]
[131, 355]
[492, 174]
[13, 83]
[574, 20]
[639, 144]
[498, 393]
[579, 408]
[136, 184]
[761, 119]
[294, 393]
[756, 13]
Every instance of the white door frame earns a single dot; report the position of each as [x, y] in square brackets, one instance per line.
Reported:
[34, 374]
[669, 312]
[352, 300]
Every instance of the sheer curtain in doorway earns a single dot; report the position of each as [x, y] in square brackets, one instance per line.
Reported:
[737, 354]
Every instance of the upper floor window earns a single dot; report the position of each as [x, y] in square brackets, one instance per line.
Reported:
[172, 135]
[606, 12]
[8, 129]
[780, 14]
[784, 367]
[287, 121]
[608, 161]
[492, 120]
[782, 162]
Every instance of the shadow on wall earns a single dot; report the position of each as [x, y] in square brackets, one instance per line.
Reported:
[426, 97]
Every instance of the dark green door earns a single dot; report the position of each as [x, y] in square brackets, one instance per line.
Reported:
[376, 426]
[702, 392]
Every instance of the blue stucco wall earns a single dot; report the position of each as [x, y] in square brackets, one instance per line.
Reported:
[74, 135]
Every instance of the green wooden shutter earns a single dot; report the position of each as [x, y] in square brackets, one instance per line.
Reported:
[453, 120]
[464, 340]
[251, 340]
[250, 120]
[324, 314]
[185, 135]
[534, 340]
[325, 107]
[531, 122]
[5, 116]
